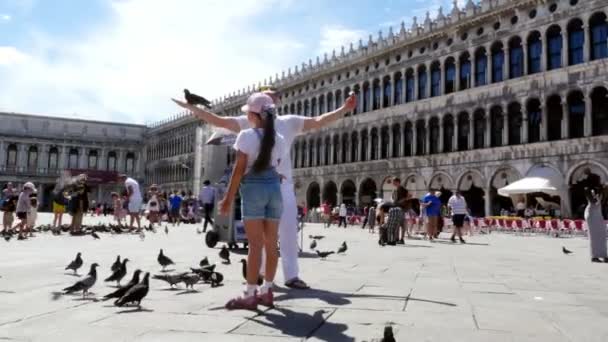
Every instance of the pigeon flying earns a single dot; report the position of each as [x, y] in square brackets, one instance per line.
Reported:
[260, 278]
[123, 289]
[136, 293]
[116, 265]
[163, 260]
[565, 251]
[225, 255]
[342, 248]
[75, 264]
[171, 279]
[84, 284]
[194, 99]
[119, 273]
[313, 244]
[324, 255]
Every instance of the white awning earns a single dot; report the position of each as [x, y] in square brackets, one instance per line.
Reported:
[540, 179]
[221, 138]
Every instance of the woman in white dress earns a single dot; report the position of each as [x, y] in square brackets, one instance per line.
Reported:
[597, 226]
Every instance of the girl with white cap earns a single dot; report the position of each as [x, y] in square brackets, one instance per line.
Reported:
[259, 151]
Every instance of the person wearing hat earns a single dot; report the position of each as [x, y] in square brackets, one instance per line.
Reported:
[23, 207]
[288, 126]
[135, 200]
[259, 151]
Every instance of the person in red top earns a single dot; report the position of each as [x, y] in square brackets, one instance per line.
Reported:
[326, 206]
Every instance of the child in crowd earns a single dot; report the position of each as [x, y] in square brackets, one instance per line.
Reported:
[153, 205]
[119, 212]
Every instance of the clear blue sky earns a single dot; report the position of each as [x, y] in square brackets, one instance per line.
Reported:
[123, 59]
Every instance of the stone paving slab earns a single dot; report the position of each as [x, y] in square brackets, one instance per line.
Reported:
[496, 288]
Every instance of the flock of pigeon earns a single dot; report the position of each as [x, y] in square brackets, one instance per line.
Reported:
[136, 290]
[313, 246]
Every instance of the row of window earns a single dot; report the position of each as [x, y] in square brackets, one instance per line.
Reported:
[517, 59]
[174, 146]
[464, 131]
[72, 159]
[169, 174]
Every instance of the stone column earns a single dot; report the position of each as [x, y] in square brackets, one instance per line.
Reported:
[414, 147]
[524, 126]
[370, 104]
[440, 147]
[332, 147]
[428, 80]
[361, 96]
[391, 139]
[587, 45]
[83, 162]
[472, 80]
[543, 121]
[457, 78]
[43, 158]
[391, 96]
[63, 157]
[524, 46]
[427, 143]
[471, 135]
[381, 103]
[403, 87]
[565, 119]
[102, 161]
[369, 145]
[2, 154]
[505, 127]
[564, 46]
[487, 201]
[456, 133]
[506, 59]
[588, 116]
[198, 160]
[488, 133]
[21, 157]
[545, 53]
[442, 77]
[415, 84]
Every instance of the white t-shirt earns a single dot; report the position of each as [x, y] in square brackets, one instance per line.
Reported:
[289, 127]
[458, 205]
[343, 210]
[136, 195]
[249, 140]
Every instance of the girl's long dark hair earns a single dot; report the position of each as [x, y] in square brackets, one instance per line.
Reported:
[268, 141]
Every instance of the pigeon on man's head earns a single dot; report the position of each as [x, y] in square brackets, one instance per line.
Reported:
[204, 262]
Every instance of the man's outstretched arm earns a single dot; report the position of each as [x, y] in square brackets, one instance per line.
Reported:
[311, 124]
[230, 124]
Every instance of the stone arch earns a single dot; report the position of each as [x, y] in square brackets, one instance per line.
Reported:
[368, 191]
[471, 184]
[502, 176]
[442, 182]
[313, 195]
[587, 174]
[348, 191]
[330, 193]
[386, 190]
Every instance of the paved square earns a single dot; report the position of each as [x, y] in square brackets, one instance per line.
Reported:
[495, 288]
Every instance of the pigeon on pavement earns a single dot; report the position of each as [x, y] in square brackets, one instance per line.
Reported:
[190, 279]
[163, 260]
[565, 251]
[316, 237]
[75, 264]
[313, 244]
[123, 289]
[116, 265]
[260, 280]
[94, 235]
[216, 279]
[225, 255]
[119, 273]
[324, 255]
[342, 248]
[84, 284]
[204, 262]
[166, 230]
[136, 293]
[171, 279]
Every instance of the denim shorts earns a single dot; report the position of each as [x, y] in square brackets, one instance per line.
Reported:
[261, 195]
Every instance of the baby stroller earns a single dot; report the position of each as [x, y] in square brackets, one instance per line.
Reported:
[389, 231]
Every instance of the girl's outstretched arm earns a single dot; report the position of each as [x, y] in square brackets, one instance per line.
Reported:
[235, 181]
[229, 123]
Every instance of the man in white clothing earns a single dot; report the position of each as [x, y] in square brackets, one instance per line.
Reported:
[207, 199]
[135, 199]
[458, 206]
[289, 126]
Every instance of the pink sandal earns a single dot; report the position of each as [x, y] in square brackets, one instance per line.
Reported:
[243, 303]
[266, 299]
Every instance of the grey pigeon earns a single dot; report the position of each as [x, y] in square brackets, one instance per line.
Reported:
[166, 230]
[225, 255]
[136, 293]
[204, 262]
[342, 248]
[324, 255]
[388, 334]
[123, 289]
[84, 284]
[116, 265]
[566, 251]
[75, 264]
[313, 244]
[120, 273]
[171, 279]
[190, 279]
[260, 280]
[163, 260]
[216, 279]
[94, 235]
[204, 272]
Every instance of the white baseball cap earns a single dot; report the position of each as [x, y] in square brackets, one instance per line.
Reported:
[258, 103]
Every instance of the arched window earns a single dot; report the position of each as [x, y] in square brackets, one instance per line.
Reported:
[112, 161]
[374, 151]
[409, 85]
[435, 79]
[398, 88]
[576, 109]
[515, 123]
[318, 152]
[479, 127]
[306, 108]
[554, 118]
[498, 60]
[465, 71]
[422, 82]
[303, 154]
[292, 110]
[299, 108]
[554, 41]
[311, 153]
[420, 137]
[73, 159]
[321, 105]
[327, 150]
[516, 58]
[11, 155]
[376, 95]
[354, 147]
[448, 133]
[463, 131]
[366, 92]
[481, 67]
[32, 157]
[576, 42]
[130, 163]
[450, 75]
[535, 51]
[534, 120]
[338, 101]
[386, 100]
[313, 107]
[599, 36]
[384, 143]
[53, 158]
[396, 141]
[364, 142]
[599, 114]
[92, 162]
[336, 143]
[434, 131]
[296, 155]
[497, 121]
[330, 102]
[408, 134]
[345, 148]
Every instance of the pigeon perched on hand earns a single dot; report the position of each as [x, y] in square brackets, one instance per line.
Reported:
[116, 265]
[119, 273]
[313, 244]
[163, 260]
[565, 251]
[260, 280]
[75, 264]
[123, 289]
[171, 279]
[136, 293]
[225, 255]
[194, 99]
[324, 255]
[84, 284]
[342, 248]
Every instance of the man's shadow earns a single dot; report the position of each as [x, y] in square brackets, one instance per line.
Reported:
[302, 325]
